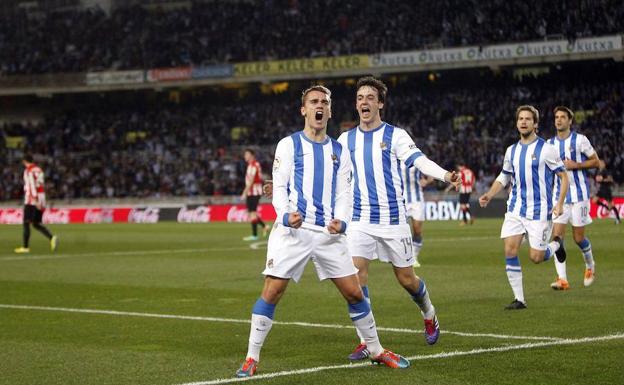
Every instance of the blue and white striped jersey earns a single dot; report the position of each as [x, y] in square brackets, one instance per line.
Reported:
[532, 168]
[376, 158]
[313, 179]
[575, 147]
[413, 191]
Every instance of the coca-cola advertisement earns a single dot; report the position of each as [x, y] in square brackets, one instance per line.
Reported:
[597, 211]
[188, 214]
[147, 215]
[200, 214]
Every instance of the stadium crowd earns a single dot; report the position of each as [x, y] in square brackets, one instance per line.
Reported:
[195, 147]
[212, 32]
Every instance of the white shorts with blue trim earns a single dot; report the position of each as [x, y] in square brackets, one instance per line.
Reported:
[289, 250]
[577, 214]
[537, 231]
[416, 210]
[396, 249]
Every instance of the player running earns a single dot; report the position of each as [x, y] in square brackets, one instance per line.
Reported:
[379, 228]
[530, 165]
[578, 155]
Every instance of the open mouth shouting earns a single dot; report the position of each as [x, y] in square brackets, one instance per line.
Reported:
[318, 115]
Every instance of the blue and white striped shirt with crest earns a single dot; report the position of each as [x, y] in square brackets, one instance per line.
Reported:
[413, 191]
[532, 168]
[575, 147]
[313, 179]
[376, 158]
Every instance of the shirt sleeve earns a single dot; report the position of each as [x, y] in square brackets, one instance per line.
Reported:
[507, 165]
[405, 148]
[429, 167]
[344, 196]
[282, 170]
[586, 147]
[552, 159]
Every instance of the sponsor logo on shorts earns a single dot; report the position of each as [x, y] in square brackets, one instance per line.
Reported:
[270, 263]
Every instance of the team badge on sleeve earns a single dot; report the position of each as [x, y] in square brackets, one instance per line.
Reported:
[276, 164]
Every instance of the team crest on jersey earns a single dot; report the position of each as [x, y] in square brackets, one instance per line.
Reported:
[270, 263]
[533, 157]
[383, 146]
[334, 158]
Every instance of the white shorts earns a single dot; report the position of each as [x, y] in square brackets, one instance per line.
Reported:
[538, 231]
[416, 210]
[396, 249]
[290, 249]
[577, 214]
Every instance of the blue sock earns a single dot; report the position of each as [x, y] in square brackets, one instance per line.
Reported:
[261, 307]
[586, 249]
[359, 310]
[366, 296]
[423, 301]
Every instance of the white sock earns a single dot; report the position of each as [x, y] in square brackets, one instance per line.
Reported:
[561, 269]
[260, 327]
[514, 275]
[367, 329]
[586, 249]
[416, 247]
[367, 298]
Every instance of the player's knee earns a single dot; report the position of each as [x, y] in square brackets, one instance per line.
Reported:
[353, 295]
[578, 238]
[406, 277]
[511, 250]
[536, 256]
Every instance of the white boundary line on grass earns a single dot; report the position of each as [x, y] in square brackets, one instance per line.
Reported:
[119, 253]
[254, 246]
[456, 353]
[243, 321]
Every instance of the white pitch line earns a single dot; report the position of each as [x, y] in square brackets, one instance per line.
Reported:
[253, 246]
[119, 253]
[456, 353]
[246, 321]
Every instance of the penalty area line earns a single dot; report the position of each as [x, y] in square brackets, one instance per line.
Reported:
[457, 353]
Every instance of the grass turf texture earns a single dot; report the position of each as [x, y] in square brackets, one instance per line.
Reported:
[207, 271]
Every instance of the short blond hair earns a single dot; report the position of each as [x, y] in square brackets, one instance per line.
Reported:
[317, 87]
[531, 109]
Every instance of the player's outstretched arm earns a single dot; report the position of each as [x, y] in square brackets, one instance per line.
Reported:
[501, 181]
[454, 178]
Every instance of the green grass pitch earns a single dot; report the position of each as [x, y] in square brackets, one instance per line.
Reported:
[169, 304]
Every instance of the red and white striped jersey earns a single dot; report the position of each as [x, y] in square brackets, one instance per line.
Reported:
[467, 180]
[34, 193]
[253, 176]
